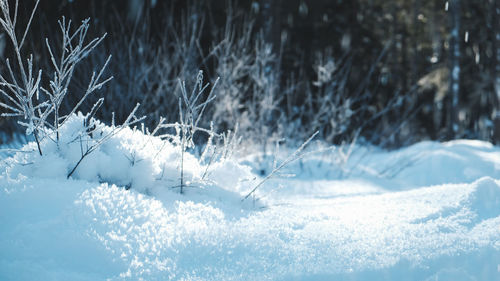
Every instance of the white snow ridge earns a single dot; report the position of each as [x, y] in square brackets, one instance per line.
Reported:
[418, 222]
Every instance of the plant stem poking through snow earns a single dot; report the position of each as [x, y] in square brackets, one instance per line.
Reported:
[88, 134]
[23, 96]
[73, 51]
[191, 110]
[294, 156]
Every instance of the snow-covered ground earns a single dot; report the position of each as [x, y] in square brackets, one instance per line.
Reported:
[427, 212]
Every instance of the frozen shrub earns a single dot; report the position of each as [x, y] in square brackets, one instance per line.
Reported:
[23, 95]
[191, 109]
[23, 89]
[73, 50]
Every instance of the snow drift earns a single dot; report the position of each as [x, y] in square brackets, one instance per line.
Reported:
[423, 222]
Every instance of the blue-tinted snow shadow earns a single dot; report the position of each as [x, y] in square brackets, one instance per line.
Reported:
[482, 264]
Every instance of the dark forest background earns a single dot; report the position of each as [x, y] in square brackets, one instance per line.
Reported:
[388, 73]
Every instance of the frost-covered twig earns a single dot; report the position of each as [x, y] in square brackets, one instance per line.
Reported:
[191, 109]
[23, 95]
[294, 156]
[73, 50]
[190, 113]
[90, 124]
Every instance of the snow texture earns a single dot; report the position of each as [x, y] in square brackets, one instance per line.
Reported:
[427, 212]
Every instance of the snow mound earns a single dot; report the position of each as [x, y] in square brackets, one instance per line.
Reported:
[82, 231]
[452, 162]
[91, 227]
[130, 158]
[485, 201]
[422, 164]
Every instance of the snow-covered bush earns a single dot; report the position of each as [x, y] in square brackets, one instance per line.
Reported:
[79, 146]
[126, 157]
[191, 109]
[23, 95]
[73, 50]
[21, 89]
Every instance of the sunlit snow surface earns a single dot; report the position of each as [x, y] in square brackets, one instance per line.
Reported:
[316, 226]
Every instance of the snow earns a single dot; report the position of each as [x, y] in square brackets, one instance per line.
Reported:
[427, 212]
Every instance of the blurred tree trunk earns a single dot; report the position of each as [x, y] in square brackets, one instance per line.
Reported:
[134, 9]
[438, 105]
[496, 111]
[270, 23]
[454, 14]
[415, 55]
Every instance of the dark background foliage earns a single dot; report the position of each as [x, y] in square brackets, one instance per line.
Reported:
[385, 72]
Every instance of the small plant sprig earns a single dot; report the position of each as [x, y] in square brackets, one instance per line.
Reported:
[73, 50]
[22, 93]
[297, 154]
[191, 110]
[90, 140]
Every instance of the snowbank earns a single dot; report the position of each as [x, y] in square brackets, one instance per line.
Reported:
[89, 227]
